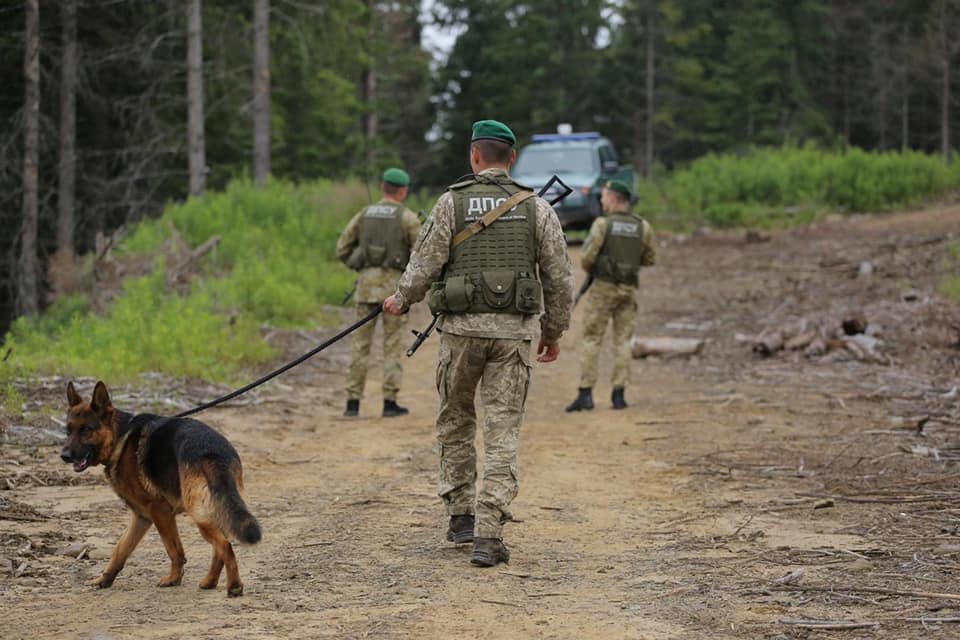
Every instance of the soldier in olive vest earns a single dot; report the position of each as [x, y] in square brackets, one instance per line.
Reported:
[618, 245]
[498, 282]
[377, 244]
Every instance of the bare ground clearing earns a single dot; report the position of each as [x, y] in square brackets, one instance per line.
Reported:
[737, 497]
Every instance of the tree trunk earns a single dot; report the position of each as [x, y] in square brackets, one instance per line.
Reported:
[261, 91]
[66, 218]
[370, 118]
[651, 98]
[27, 290]
[196, 143]
[369, 88]
[846, 105]
[945, 91]
[905, 121]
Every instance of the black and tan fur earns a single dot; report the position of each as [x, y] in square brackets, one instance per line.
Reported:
[161, 467]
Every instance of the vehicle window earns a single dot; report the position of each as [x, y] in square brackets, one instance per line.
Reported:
[607, 153]
[545, 160]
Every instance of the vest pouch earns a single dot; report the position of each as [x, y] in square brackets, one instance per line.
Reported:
[606, 267]
[498, 287]
[436, 299]
[398, 262]
[528, 295]
[375, 255]
[629, 273]
[356, 260]
[458, 294]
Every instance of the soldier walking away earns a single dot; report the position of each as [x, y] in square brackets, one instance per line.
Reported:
[377, 243]
[619, 244]
[480, 256]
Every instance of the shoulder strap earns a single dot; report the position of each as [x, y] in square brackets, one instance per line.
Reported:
[490, 217]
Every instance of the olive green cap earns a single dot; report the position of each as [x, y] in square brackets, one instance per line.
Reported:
[493, 130]
[396, 177]
[618, 186]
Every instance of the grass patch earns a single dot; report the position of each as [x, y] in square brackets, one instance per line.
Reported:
[950, 283]
[275, 266]
[12, 399]
[793, 185]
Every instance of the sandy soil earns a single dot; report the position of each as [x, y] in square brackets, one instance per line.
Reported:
[737, 497]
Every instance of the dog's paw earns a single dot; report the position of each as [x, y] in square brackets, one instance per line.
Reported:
[170, 581]
[235, 590]
[209, 583]
[103, 582]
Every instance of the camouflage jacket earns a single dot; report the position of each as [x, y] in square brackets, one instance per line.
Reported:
[432, 251]
[375, 283]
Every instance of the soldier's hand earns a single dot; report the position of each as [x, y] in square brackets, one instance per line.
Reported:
[392, 306]
[547, 352]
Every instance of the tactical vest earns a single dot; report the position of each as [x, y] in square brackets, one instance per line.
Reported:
[495, 270]
[382, 240]
[619, 258]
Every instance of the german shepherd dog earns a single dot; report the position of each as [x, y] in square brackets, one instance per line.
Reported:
[161, 467]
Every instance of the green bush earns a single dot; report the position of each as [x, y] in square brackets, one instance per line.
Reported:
[274, 265]
[950, 283]
[727, 190]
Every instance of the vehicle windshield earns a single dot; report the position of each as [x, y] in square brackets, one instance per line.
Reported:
[547, 160]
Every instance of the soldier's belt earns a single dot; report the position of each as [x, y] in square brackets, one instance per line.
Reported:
[490, 217]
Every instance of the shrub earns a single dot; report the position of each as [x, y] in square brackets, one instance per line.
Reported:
[950, 283]
[275, 265]
[721, 189]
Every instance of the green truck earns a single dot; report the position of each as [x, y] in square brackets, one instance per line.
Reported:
[583, 160]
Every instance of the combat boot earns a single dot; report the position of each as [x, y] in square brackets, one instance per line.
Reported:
[460, 530]
[584, 401]
[617, 398]
[489, 552]
[353, 409]
[391, 409]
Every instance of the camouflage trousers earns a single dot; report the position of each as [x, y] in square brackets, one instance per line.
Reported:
[392, 352]
[502, 370]
[605, 302]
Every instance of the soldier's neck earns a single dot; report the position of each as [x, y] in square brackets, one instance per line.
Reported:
[493, 169]
[392, 200]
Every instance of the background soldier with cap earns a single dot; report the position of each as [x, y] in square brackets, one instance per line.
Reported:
[619, 243]
[377, 243]
[488, 290]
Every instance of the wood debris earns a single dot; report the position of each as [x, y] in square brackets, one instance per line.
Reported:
[642, 347]
[851, 337]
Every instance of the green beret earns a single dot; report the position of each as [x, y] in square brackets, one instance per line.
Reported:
[396, 177]
[618, 186]
[493, 130]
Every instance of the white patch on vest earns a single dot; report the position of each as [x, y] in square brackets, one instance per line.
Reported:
[479, 206]
[474, 218]
[625, 228]
[379, 211]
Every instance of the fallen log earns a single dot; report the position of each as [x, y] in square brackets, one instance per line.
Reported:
[666, 347]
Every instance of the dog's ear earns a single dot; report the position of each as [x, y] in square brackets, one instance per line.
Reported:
[73, 398]
[101, 399]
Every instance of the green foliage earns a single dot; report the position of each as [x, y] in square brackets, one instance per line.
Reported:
[763, 185]
[11, 399]
[274, 265]
[950, 283]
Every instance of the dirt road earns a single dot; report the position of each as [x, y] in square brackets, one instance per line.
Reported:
[737, 497]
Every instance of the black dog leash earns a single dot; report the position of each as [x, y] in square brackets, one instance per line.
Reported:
[290, 365]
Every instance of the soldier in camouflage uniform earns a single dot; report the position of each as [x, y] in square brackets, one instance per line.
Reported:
[377, 243]
[618, 245]
[488, 290]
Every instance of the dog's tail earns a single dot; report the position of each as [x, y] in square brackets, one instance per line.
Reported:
[230, 511]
